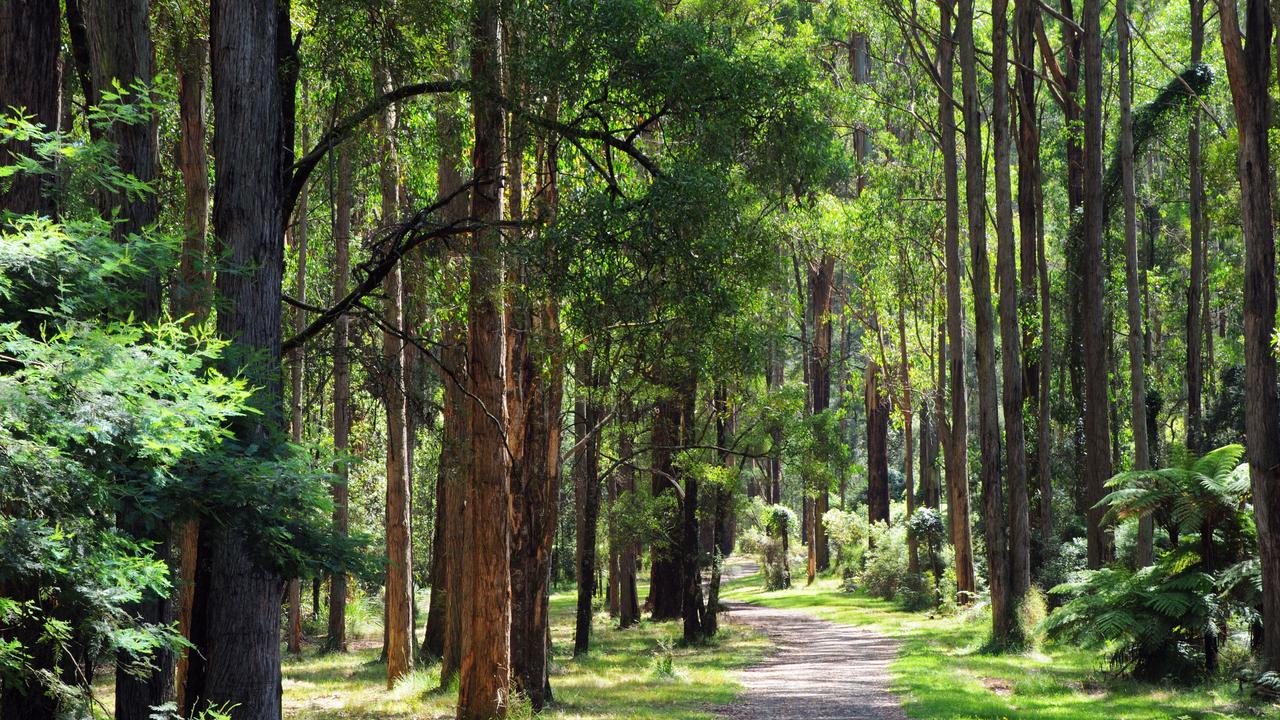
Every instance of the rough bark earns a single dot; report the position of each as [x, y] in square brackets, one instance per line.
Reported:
[191, 294]
[297, 368]
[30, 39]
[486, 638]
[454, 446]
[587, 478]
[1249, 70]
[399, 580]
[1025, 16]
[821, 287]
[337, 637]
[1097, 430]
[240, 594]
[956, 447]
[877, 405]
[665, 576]
[539, 375]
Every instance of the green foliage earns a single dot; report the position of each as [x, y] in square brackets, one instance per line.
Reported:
[848, 533]
[1150, 619]
[886, 570]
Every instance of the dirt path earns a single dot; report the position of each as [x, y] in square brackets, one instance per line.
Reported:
[818, 670]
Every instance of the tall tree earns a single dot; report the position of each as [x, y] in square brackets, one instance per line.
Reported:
[1137, 372]
[399, 586]
[297, 375]
[984, 327]
[957, 429]
[1097, 428]
[236, 628]
[337, 637]
[1196, 283]
[1019, 535]
[1248, 56]
[486, 637]
[30, 38]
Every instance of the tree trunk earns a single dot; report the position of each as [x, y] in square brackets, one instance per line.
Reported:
[628, 600]
[297, 373]
[536, 479]
[1026, 15]
[587, 476]
[454, 443]
[1019, 539]
[877, 446]
[30, 40]
[486, 638]
[1097, 466]
[693, 609]
[666, 585]
[821, 287]
[1143, 554]
[399, 580]
[238, 598]
[956, 449]
[984, 330]
[1196, 284]
[908, 448]
[337, 639]
[1249, 71]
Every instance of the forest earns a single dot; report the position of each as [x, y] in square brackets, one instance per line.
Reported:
[742, 359]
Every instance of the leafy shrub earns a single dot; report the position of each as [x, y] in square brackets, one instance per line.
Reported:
[779, 520]
[848, 534]
[886, 570]
[1150, 619]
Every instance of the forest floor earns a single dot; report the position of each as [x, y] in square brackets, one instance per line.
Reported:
[819, 670]
[629, 674]
[940, 671]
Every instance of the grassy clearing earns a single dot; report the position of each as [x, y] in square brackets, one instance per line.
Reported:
[941, 672]
[618, 679]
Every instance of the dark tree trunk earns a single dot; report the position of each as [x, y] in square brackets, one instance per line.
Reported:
[666, 576]
[236, 628]
[1097, 431]
[1196, 284]
[30, 39]
[692, 607]
[1249, 71]
[587, 477]
[337, 639]
[821, 287]
[1019, 539]
[877, 405]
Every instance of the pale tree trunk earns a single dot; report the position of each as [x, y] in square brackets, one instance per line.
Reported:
[984, 329]
[30, 38]
[1249, 72]
[486, 638]
[399, 583]
[1019, 538]
[956, 449]
[337, 639]
[236, 627]
[1097, 431]
[1137, 374]
[908, 448]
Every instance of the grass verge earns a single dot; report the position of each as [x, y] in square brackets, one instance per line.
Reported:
[941, 671]
[622, 678]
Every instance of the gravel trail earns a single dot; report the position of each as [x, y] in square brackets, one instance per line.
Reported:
[818, 670]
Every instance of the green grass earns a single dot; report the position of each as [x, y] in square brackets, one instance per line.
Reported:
[615, 680]
[941, 671]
